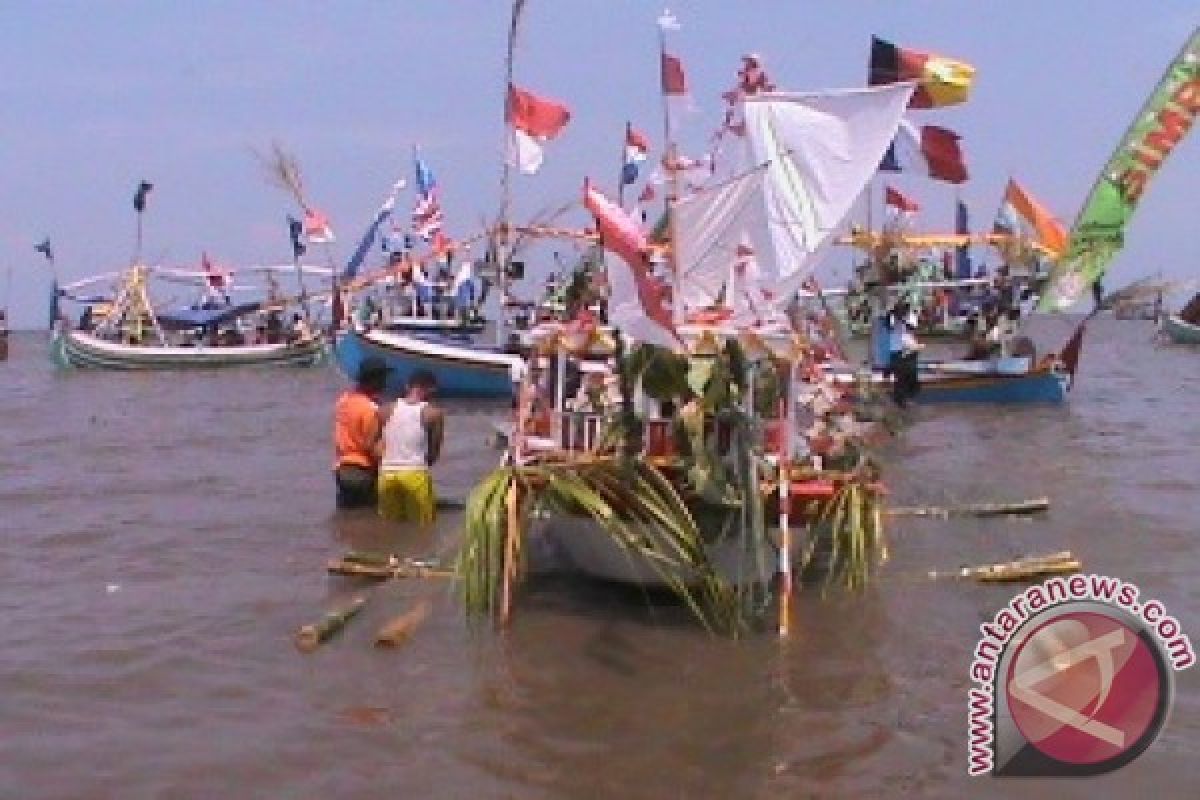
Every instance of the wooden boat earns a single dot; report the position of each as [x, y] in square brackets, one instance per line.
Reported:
[127, 332]
[1179, 331]
[81, 349]
[980, 382]
[462, 368]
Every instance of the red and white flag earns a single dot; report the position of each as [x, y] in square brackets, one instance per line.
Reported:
[638, 302]
[534, 121]
[316, 227]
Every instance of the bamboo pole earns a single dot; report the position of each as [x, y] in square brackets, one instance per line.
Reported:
[401, 628]
[358, 569]
[1058, 563]
[785, 502]
[1036, 505]
[309, 637]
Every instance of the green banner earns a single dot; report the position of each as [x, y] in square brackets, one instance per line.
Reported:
[1099, 230]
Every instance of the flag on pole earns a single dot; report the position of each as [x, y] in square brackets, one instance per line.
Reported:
[368, 238]
[295, 232]
[893, 198]
[317, 228]
[928, 150]
[44, 249]
[427, 213]
[534, 121]
[637, 146]
[941, 81]
[139, 197]
[1019, 205]
[674, 80]
[638, 302]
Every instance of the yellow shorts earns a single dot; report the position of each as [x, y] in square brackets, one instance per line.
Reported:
[407, 495]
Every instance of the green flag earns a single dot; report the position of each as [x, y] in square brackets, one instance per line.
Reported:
[1099, 230]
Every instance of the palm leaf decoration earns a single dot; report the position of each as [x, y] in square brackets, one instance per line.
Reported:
[634, 504]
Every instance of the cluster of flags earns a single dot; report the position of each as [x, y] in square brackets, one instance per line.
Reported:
[929, 150]
[427, 217]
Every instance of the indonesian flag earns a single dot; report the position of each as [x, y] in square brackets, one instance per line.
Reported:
[928, 150]
[638, 302]
[534, 121]
[316, 227]
[941, 81]
[894, 199]
[636, 148]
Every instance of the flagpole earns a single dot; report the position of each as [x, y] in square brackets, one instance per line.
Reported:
[621, 171]
[673, 176]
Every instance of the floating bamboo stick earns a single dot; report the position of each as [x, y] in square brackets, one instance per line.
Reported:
[973, 509]
[309, 637]
[1059, 563]
[398, 630]
[386, 570]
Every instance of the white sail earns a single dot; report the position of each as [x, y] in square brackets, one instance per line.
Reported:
[819, 150]
[709, 226]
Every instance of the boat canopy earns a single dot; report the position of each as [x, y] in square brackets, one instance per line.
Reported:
[185, 318]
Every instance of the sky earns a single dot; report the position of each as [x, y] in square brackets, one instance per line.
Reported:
[96, 97]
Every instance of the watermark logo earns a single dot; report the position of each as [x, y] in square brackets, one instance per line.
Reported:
[1073, 677]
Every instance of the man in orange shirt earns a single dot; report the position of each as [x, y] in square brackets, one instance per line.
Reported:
[355, 433]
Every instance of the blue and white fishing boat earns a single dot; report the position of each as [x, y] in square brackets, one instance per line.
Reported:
[463, 367]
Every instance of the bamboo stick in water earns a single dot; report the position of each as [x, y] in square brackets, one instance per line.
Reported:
[397, 631]
[309, 637]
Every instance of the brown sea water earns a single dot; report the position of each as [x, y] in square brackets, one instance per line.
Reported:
[163, 535]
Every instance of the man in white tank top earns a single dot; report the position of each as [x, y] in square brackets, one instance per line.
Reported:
[410, 441]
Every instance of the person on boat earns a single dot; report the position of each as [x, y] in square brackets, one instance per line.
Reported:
[409, 443]
[301, 332]
[978, 348]
[355, 436]
[905, 383]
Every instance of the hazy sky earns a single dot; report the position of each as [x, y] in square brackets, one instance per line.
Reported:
[97, 96]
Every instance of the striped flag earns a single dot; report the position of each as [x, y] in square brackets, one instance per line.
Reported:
[929, 150]
[636, 148]
[893, 198]
[533, 121]
[941, 81]
[427, 213]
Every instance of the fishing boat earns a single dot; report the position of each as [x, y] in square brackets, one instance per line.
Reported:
[462, 366]
[1180, 331]
[124, 330]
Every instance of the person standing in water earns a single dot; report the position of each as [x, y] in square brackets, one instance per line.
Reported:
[355, 434]
[410, 441]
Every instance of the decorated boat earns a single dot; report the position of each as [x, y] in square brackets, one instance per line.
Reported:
[463, 367]
[124, 330]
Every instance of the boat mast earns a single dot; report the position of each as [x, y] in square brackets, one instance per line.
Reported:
[667, 21]
[500, 237]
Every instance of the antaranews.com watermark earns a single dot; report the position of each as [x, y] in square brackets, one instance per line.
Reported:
[1073, 677]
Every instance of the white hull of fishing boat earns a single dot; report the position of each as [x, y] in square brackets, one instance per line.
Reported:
[591, 551]
[1179, 331]
[79, 349]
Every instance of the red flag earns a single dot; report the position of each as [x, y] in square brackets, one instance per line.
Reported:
[898, 201]
[647, 194]
[673, 79]
[639, 302]
[535, 115]
[1071, 350]
[943, 154]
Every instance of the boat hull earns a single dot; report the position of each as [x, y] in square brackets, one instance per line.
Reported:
[1179, 331]
[461, 368]
[944, 384]
[82, 350]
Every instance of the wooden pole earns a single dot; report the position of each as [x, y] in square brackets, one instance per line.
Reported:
[309, 637]
[785, 502]
[670, 163]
